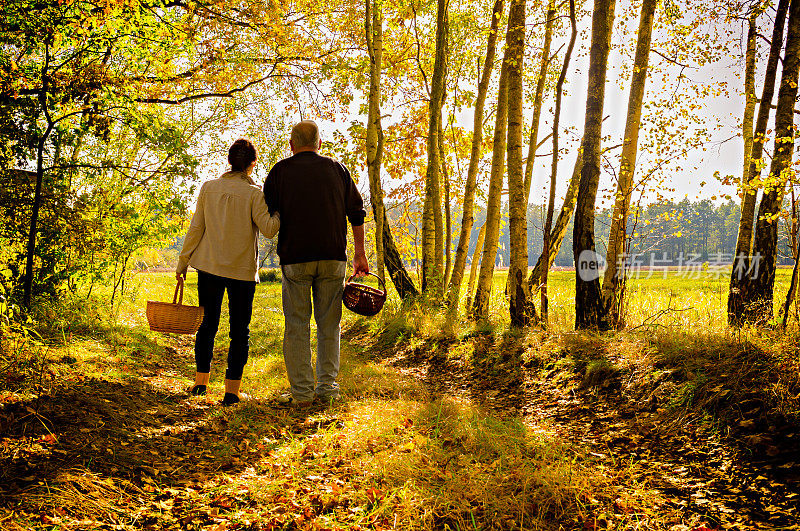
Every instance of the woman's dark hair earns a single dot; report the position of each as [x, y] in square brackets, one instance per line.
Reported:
[241, 154]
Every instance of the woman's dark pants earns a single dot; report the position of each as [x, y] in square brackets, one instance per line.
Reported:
[210, 289]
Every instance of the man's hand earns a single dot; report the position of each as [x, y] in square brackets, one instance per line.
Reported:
[360, 262]
[360, 265]
[180, 276]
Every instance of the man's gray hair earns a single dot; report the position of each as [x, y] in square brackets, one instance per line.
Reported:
[305, 134]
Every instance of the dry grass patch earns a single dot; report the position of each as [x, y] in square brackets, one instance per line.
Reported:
[446, 465]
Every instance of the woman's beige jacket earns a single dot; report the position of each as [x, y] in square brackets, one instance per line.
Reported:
[223, 236]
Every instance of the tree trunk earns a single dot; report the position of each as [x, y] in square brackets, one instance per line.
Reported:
[758, 292]
[752, 160]
[473, 266]
[480, 306]
[468, 215]
[37, 203]
[438, 220]
[432, 238]
[589, 311]
[394, 264]
[374, 148]
[551, 201]
[790, 295]
[537, 100]
[27, 290]
[388, 258]
[560, 230]
[796, 255]
[615, 253]
[448, 227]
[521, 307]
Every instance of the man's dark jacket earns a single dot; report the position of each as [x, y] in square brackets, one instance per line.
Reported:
[315, 196]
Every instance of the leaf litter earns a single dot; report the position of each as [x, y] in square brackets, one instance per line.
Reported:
[138, 454]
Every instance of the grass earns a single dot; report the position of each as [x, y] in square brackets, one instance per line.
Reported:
[395, 454]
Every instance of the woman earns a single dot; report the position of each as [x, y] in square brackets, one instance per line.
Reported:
[222, 244]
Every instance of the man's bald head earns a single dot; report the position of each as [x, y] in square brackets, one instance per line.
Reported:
[305, 136]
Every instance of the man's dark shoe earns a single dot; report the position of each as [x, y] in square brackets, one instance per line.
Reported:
[230, 399]
[198, 390]
[327, 401]
[288, 401]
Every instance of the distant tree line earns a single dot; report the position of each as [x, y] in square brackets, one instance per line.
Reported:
[669, 230]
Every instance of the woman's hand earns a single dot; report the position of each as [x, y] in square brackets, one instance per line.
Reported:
[180, 277]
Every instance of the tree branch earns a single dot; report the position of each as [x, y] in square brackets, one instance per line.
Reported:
[228, 94]
[673, 61]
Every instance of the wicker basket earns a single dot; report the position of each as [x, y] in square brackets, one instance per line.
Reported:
[362, 299]
[174, 318]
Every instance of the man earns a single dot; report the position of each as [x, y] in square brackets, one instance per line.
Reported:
[315, 197]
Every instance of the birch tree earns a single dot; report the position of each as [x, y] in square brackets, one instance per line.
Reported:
[752, 160]
[758, 292]
[613, 282]
[468, 214]
[374, 36]
[385, 248]
[480, 306]
[559, 230]
[554, 164]
[589, 311]
[432, 237]
[521, 306]
[541, 80]
[473, 266]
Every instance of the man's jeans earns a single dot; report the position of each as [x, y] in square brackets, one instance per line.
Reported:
[324, 281]
[210, 289]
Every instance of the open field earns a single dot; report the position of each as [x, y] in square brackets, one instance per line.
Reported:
[678, 424]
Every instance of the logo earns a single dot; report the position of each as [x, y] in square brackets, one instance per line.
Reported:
[589, 265]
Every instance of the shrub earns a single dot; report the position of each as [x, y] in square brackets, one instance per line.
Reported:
[269, 275]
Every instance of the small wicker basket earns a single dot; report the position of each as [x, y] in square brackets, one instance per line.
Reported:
[174, 318]
[362, 299]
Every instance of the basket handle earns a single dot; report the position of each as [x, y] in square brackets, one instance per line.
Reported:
[175, 296]
[383, 284]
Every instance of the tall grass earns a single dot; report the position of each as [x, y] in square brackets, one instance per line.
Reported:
[663, 299]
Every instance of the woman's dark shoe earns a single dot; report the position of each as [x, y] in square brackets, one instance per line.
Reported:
[230, 399]
[198, 390]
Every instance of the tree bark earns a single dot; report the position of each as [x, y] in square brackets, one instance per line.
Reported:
[759, 287]
[448, 226]
[473, 266]
[589, 310]
[27, 289]
[521, 307]
[388, 258]
[551, 201]
[432, 238]
[537, 100]
[480, 306]
[614, 279]
[790, 294]
[560, 229]
[374, 36]
[468, 215]
[394, 264]
[752, 159]
[749, 92]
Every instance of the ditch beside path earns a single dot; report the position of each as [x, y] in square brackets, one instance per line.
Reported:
[738, 472]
